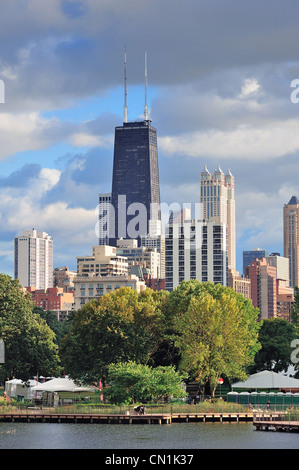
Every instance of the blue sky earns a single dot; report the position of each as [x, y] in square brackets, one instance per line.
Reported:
[219, 93]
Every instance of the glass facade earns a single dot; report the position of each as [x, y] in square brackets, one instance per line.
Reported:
[135, 184]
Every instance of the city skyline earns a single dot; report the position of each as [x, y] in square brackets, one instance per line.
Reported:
[219, 93]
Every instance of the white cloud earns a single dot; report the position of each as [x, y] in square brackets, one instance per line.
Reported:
[250, 87]
[244, 142]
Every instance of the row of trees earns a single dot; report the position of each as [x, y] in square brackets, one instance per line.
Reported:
[200, 331]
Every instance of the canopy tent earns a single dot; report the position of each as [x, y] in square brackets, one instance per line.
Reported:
[62, 385]
[17, 388]
[268, 379]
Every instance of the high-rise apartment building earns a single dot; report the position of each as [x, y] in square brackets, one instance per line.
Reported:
[291, 238]
[158, 243]
[104, 218]
[263, 287]
[195, 249]
[33, 263]
[270, 291]
[135, 198]
[282, 266]
[218, 205]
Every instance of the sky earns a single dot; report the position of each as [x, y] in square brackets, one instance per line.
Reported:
[221, 91]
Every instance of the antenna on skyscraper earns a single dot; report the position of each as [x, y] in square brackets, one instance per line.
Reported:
[125, 77]
[145, 77]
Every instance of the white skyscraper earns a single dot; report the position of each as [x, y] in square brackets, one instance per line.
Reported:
[217, 196]
[104, 218]
[34, 259]
[195, 249]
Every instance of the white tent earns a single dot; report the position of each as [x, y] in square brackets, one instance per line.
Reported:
[61, 385]
[17, 388]
[268, 379]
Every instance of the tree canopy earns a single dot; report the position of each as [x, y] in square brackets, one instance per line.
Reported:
[131, 383]
[215, 330]
[118, 327]
[276, 336]
[29, 342]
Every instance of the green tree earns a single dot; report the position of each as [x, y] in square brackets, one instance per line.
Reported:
[134, 383]
[29, 342]
[295, 311]
[58, 327]
[275, 336]
[216, 331]
[118, 327]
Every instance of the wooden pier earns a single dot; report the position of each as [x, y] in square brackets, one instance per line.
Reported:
[40, 416]
[275, 425]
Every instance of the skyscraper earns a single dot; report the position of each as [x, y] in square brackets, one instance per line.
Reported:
[195, 249]
[217, 196]
[135, 198]
[34, 259]
[104, 218]
[291, 238]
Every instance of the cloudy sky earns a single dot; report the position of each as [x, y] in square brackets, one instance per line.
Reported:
[220, 84]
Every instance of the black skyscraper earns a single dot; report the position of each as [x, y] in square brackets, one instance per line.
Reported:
[135, 184]
[135, 194]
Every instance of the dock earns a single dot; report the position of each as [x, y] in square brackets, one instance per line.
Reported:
[130, 418]
[275, 423]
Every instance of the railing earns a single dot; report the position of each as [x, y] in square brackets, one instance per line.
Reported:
[286, 414]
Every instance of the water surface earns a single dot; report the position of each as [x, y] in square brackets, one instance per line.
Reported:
[146, 436]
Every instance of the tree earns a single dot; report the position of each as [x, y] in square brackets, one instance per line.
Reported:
[29, 342]
[134, 383]
[275, 336]
[118, 327]
[295, 311]
[58, 327]
[216, 331]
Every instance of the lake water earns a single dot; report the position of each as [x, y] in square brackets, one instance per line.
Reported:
[147, 436]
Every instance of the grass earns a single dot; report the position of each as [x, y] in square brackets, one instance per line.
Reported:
[219, 406]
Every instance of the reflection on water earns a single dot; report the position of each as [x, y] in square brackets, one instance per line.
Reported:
[147, 436]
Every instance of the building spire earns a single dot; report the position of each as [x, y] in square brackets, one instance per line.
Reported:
[125, 79]
[145, 78]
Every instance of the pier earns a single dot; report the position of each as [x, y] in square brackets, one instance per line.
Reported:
[130, 418]
[275, 422]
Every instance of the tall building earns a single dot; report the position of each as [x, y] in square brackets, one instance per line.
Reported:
[158, 243]
[291, 238]
[135, 198]
[270, 291]
[104, 218]
[217, 196]
[250, 255]
[195, 249]
[282, 266]
[263, 287]
[33, 263]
